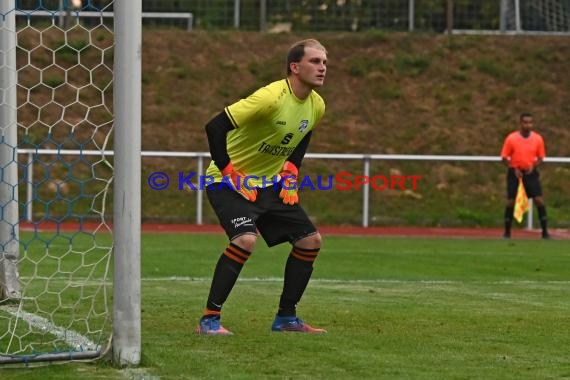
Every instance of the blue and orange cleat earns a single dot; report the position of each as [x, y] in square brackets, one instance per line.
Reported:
[294, 324]
[210, 325]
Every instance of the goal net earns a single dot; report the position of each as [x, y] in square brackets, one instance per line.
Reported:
[548, 16]
[56, 246]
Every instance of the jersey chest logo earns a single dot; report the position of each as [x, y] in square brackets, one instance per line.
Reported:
[287, 139]
[303, 125]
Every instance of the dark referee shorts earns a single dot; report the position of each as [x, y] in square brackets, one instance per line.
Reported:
[531, 184]
[276, 222]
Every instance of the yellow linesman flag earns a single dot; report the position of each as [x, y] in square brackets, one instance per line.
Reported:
[521, 202]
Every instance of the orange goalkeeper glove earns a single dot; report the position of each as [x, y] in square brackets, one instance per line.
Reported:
[237, 180]
[289, 175]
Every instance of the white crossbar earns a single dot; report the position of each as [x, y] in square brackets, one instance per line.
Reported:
[57, 13]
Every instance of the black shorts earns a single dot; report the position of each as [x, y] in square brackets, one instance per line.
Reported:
[531, 184]
[276, 222]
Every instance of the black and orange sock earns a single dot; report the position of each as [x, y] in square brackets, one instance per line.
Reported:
[298, 272]
[211, 313]
[543, 219]
[226, 274]
[509, 210]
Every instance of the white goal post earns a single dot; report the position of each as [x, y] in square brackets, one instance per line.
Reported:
[127, 193]
[74, 86]
[9, 229]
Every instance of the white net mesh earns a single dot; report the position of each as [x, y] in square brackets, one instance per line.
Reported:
[549, 15]
[55, 239]
[538, 15]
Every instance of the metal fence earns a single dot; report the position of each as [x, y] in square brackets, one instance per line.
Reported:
[457, 16]
[203, 158]
[517, 16]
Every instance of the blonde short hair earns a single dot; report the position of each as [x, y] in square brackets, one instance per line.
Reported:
[297, 51]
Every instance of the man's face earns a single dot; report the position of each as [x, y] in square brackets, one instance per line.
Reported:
[312, 68]
[526, 124]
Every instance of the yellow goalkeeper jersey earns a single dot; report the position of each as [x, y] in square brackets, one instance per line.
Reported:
[269, 124]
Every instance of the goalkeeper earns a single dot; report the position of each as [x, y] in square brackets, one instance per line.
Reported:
[253, 141]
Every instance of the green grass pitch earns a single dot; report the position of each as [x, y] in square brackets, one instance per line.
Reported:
[395, 308]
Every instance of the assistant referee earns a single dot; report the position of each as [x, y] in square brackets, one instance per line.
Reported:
[523, 151]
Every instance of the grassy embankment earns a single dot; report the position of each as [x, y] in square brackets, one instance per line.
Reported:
[386, 94]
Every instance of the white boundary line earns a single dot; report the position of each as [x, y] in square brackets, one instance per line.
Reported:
[371, 281]
[72, 338]
[328, 281]
[138, 374]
